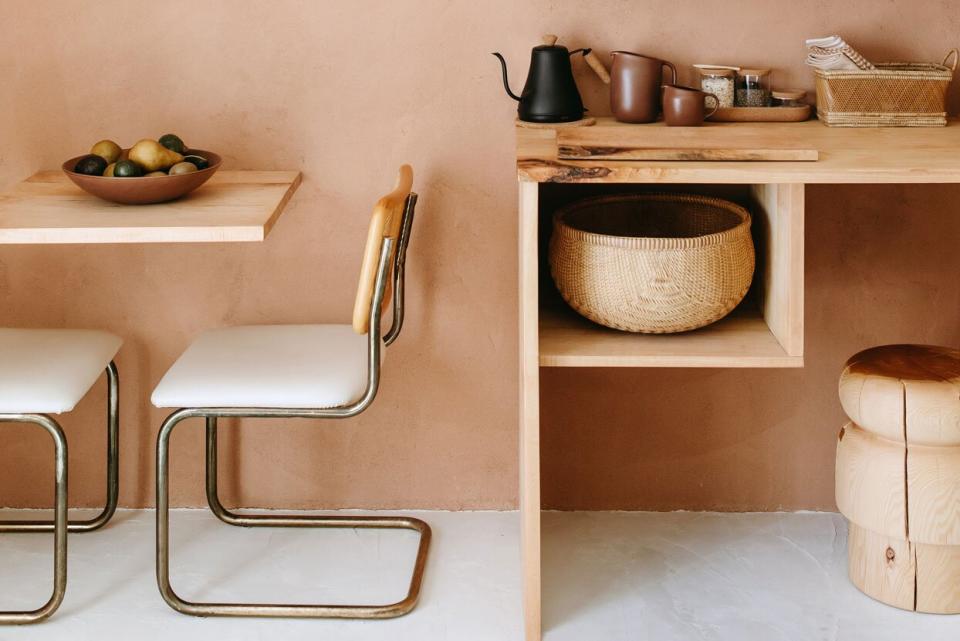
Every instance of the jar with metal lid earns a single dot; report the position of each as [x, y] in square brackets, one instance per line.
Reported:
[753, 88]
[719, 82]
[787, 98]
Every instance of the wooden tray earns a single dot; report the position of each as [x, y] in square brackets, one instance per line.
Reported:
[761, 114]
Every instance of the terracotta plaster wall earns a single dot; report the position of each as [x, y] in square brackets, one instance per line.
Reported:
[346, 91]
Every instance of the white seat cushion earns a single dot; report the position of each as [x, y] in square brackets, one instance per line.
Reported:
[294, 366]
[50, 370]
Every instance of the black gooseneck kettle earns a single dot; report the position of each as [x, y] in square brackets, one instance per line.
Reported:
[550, 93]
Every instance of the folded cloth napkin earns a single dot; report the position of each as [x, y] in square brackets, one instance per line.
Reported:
[833, 52]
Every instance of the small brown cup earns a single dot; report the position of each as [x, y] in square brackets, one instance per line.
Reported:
[684, 106]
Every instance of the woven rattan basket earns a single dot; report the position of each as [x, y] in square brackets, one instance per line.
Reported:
[895, 94]
[652, 263]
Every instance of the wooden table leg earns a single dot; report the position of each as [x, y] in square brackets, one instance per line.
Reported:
[530, 409]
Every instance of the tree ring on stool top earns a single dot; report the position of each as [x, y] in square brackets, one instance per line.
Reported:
[905, 393]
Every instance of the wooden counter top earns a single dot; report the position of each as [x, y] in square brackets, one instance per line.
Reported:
[234, 206]
[879, 155]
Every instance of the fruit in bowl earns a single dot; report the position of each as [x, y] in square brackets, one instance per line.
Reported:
[151, 171]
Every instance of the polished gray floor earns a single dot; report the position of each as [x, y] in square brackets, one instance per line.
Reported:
[608, 576]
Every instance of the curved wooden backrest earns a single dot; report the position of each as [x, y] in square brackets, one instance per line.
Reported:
[385, 223]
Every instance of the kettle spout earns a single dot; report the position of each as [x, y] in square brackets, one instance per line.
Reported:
[506, 83]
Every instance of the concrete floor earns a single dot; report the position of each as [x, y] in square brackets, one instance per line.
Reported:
[610, 576]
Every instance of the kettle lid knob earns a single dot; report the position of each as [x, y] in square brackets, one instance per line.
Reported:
[550, 39]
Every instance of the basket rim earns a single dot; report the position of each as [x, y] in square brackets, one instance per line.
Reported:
[913, 70]
[647, 242]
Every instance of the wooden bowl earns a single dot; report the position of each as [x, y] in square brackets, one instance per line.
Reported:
[146, 189]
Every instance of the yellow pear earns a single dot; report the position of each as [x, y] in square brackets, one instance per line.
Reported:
[153, 156]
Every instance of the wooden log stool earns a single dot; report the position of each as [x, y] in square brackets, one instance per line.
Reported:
[898, 475]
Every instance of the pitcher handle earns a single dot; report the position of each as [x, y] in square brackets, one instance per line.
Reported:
[716, 106]
[673, 71]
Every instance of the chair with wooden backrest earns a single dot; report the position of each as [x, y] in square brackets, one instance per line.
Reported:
[294, 371]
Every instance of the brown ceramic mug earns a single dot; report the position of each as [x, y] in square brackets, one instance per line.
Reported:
[635, 86]
[684, 106]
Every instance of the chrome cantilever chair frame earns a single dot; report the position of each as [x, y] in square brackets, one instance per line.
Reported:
[298, 520]
[60, 524]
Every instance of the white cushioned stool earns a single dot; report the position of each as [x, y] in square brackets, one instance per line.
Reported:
[48, 371]
[294, 371]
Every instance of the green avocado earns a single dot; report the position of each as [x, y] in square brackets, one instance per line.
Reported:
[127, 169]
[173, 143]
[91, 165]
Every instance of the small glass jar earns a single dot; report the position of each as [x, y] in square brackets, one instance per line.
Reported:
[719, 82]
[753, 88]
[787, 98]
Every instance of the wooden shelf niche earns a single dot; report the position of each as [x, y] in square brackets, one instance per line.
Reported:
[766, 329]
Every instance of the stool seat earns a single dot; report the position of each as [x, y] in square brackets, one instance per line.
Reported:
[905, 393]
[274, 366]
[48, 371]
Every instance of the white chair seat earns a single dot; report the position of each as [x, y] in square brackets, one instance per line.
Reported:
[49, 370]
[276, 366]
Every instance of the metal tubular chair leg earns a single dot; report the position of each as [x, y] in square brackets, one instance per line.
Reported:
[262, 520]
[113, 471]
[58, 526]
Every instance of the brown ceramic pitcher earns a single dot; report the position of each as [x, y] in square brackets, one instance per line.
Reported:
[684, 106]
[635, 86]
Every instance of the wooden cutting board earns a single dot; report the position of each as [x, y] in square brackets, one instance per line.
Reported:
[661, 143]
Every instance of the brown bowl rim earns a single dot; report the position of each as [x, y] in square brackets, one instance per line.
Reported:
[191, 152]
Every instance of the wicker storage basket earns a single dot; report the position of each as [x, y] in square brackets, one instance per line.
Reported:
[652, 263]
[895, 94]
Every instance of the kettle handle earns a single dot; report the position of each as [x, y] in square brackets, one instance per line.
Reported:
[598, 67]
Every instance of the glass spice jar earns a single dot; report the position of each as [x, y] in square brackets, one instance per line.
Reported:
[753, 88]
[719, 82]
[787, 98]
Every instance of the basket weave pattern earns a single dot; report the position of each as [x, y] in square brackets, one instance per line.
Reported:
[892, 95]
[652, 263]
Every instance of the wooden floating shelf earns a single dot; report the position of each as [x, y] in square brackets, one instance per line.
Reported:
[742, 339]
[233, 206]
[871, 155]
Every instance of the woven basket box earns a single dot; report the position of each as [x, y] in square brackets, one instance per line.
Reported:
[895, 94]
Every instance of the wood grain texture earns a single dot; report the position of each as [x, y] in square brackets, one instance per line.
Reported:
[384, 223]
[530, 410]
[912, 389]
[882, 566]
[761, 114]
[933, 493]
[881, 155]
[234, 206]
[582, 152]
[870, 482]
[908, 492]
[938, 578]
[742, 339]
[778, 220]
[906, 575]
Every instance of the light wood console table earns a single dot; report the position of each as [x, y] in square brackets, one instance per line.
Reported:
[766, 330]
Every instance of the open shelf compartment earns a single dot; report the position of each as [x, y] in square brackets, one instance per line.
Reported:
[766, 330]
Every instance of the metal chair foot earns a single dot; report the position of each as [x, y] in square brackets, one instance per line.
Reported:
[386, 611]
[58, 526]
